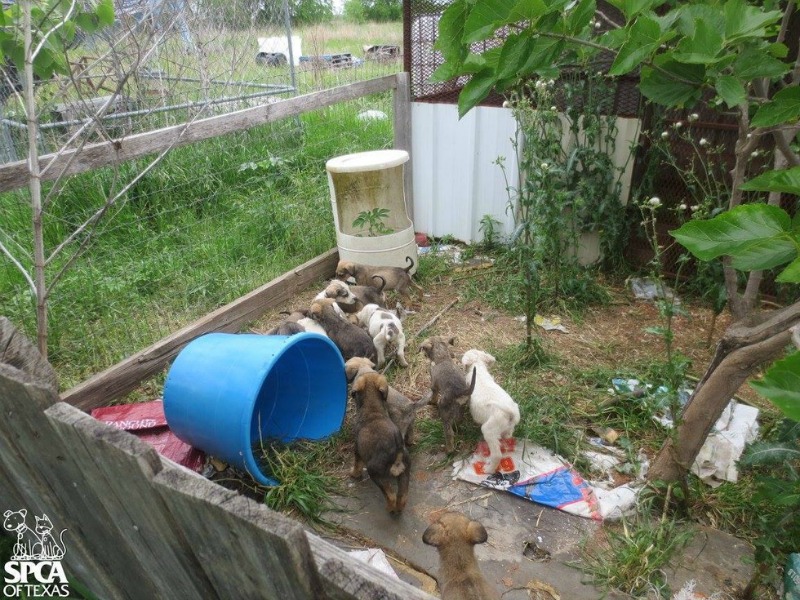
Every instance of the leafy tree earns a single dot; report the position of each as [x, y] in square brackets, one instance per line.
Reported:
[731, 51]
[360, 11]
[305, 12]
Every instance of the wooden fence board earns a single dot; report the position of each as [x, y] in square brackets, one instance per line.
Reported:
[247, 550]
[34, 462]
[402, 135]
[348, 579]
[121, 378]
[119, 470]
[94, 156]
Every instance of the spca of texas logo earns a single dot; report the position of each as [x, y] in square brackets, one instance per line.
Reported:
[34, 569]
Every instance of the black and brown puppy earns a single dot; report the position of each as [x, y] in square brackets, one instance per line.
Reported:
[395, 278]
[350, 339]
[455, 536]
[379, 445]
[449, 390]
[402, 411]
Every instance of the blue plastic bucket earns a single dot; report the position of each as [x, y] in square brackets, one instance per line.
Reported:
[226, 393]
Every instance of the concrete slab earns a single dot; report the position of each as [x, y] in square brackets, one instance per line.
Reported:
[530, 547]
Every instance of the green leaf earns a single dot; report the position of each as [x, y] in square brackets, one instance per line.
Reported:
[781, 384]
[785, 181]
[515, 51]
[485, 17]
[476, 90]
[675, 84]
[445, 72]
[578, 18]
[631, 8]
[105, 12]
[528, 10]
[730, 90]
[542, 55]
[778, 50]
[754, 63]
[702, 48]
[642, 42]
[790, 274]
[613, 38]
[744, 20]
[755, 236]
[451, 30]
[783, 108]
[769, 453]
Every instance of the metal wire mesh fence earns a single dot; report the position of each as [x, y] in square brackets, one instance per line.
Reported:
[137, 250]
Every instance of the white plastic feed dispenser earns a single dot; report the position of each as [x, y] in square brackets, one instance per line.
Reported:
[360, 183]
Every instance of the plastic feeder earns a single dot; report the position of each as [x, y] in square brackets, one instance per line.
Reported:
[226, 393]
[360, 183]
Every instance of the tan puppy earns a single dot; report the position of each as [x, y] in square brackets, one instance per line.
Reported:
[449, 391]
[455, 536]
[395, 278]
[402, 411]
[379, 445]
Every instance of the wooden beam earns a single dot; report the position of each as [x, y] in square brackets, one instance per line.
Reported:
[402, 135]
[94, 156]
[123, 377]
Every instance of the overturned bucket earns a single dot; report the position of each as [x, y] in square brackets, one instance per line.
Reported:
[226, 392]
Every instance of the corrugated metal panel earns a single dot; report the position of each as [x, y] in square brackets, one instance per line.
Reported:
[456, 181]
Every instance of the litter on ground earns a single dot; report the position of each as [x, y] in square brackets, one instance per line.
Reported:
[551, 323]
[376, 558]
[645, 288]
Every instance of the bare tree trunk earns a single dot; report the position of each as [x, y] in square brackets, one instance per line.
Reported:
[35, 185]
[742, 350]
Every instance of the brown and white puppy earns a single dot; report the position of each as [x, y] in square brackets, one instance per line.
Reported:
[379, 445]
[286, 327]
[350, 339]
[402, 411]
[449, 390]
[460, 578]
[386, 329]
[352, 298]
[396, 278]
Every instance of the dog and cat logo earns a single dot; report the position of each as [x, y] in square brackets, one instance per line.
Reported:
[34, 570]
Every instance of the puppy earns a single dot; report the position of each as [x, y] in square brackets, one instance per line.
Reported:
[385, 328]
[395, 278]
[449, 391]
[490, 405]
[402, 411]
[350, 339]
[352, 298]
[455, 536]
[379, 445]
[286, 327]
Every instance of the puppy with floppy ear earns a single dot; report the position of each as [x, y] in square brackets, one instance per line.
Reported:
[385, 328]
[350, 339]
[402, 411]
[379, 445]
[491, 406]
[449, 391]
[395, 278]
[460, 578]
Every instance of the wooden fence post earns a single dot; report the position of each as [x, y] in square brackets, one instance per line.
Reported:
[402, 135]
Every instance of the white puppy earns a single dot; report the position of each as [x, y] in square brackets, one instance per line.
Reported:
[490, 405]
[385, 328]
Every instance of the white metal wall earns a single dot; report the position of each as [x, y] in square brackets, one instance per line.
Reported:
[456, 180]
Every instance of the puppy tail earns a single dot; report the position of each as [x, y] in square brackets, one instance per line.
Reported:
[383, 282]
[472, 385]
[399, 465]
[411, 266]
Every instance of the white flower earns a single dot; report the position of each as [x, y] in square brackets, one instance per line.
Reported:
[506, 104]
[545, 166]
[683, 206]
[655, 201]
[554, 108]
[678, 125]
[693, 117]
[703, 142]
[540, 84]
[664, 135]
[597, 24]
[599, 73]
[694, 207]
[754, 153]
[749, 135]
[551, 83]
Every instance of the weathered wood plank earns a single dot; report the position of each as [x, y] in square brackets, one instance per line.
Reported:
[246, 549]
[93, 156]
[121, 378]
[346, 578]
[139, 531]
[37, 476]
[16, 350]
[402, 135]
